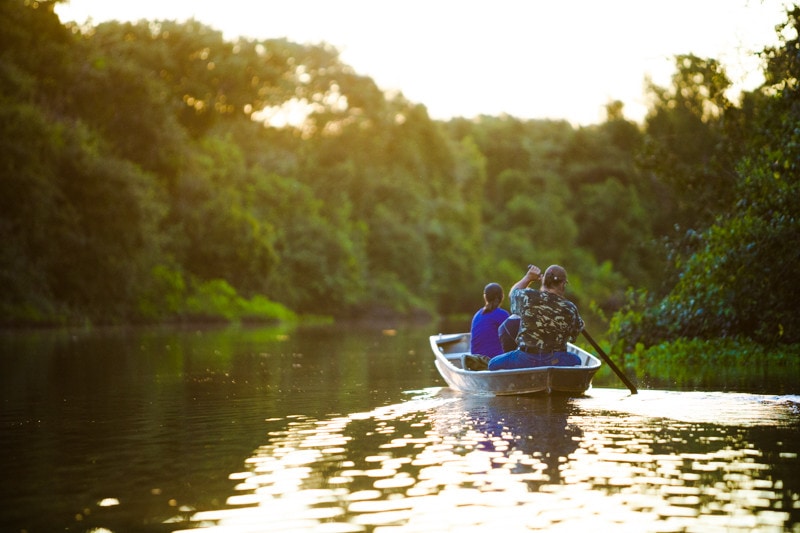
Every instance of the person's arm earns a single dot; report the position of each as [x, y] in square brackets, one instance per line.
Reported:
[579, 326]
[534, 273]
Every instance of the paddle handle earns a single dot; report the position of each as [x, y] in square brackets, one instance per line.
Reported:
[610, 363]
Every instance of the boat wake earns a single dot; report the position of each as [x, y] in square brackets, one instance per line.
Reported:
[723, 408]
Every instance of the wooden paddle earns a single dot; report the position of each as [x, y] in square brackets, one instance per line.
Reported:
[610, 363]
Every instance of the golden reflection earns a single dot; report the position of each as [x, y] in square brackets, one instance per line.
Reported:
[445, 462]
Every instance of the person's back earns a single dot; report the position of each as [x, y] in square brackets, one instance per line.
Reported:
[484, 338]
[548, 321]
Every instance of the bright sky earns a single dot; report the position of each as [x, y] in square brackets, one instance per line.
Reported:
[558, 59]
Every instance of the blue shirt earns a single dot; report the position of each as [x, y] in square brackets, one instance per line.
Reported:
[485, 340]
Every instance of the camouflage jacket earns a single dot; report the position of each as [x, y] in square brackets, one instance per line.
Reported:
[548, 320]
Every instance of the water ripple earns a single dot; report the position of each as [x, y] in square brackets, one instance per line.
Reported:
[658, 461]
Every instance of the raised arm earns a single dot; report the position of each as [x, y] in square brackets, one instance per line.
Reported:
[534, 273]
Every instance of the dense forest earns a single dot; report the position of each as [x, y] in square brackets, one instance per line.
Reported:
[144, 178]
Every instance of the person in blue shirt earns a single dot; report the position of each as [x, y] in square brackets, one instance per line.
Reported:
[485, 339]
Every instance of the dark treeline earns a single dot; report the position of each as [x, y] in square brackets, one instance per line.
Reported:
[141, 183]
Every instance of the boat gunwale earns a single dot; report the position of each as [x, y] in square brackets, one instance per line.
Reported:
[445, 365]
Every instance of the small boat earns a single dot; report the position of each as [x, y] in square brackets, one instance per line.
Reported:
[449, 350]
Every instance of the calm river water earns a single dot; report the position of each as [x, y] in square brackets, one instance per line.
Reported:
[350, 428]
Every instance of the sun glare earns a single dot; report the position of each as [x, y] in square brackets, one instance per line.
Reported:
[292, 113]
[557, 60]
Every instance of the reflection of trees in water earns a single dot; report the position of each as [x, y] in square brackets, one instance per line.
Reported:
[535, 426]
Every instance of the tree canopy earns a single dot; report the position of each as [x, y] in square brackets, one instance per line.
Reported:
[145, 176]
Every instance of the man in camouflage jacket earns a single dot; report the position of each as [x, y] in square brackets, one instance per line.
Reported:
[548, 322]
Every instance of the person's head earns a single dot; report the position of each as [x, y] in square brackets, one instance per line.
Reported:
[555, 278]
[493, 296]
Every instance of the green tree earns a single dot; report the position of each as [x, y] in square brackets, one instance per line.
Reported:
[30, 206]
[685, 145]
[740, 279]
[110, 241]
[36, 56]
[614, 224]
[126, 102]
[322, 260]
[221, 234]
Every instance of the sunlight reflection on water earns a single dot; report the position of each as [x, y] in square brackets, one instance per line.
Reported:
[657, 461]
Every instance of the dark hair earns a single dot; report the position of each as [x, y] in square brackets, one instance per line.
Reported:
[494, 296]
[554, 275]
